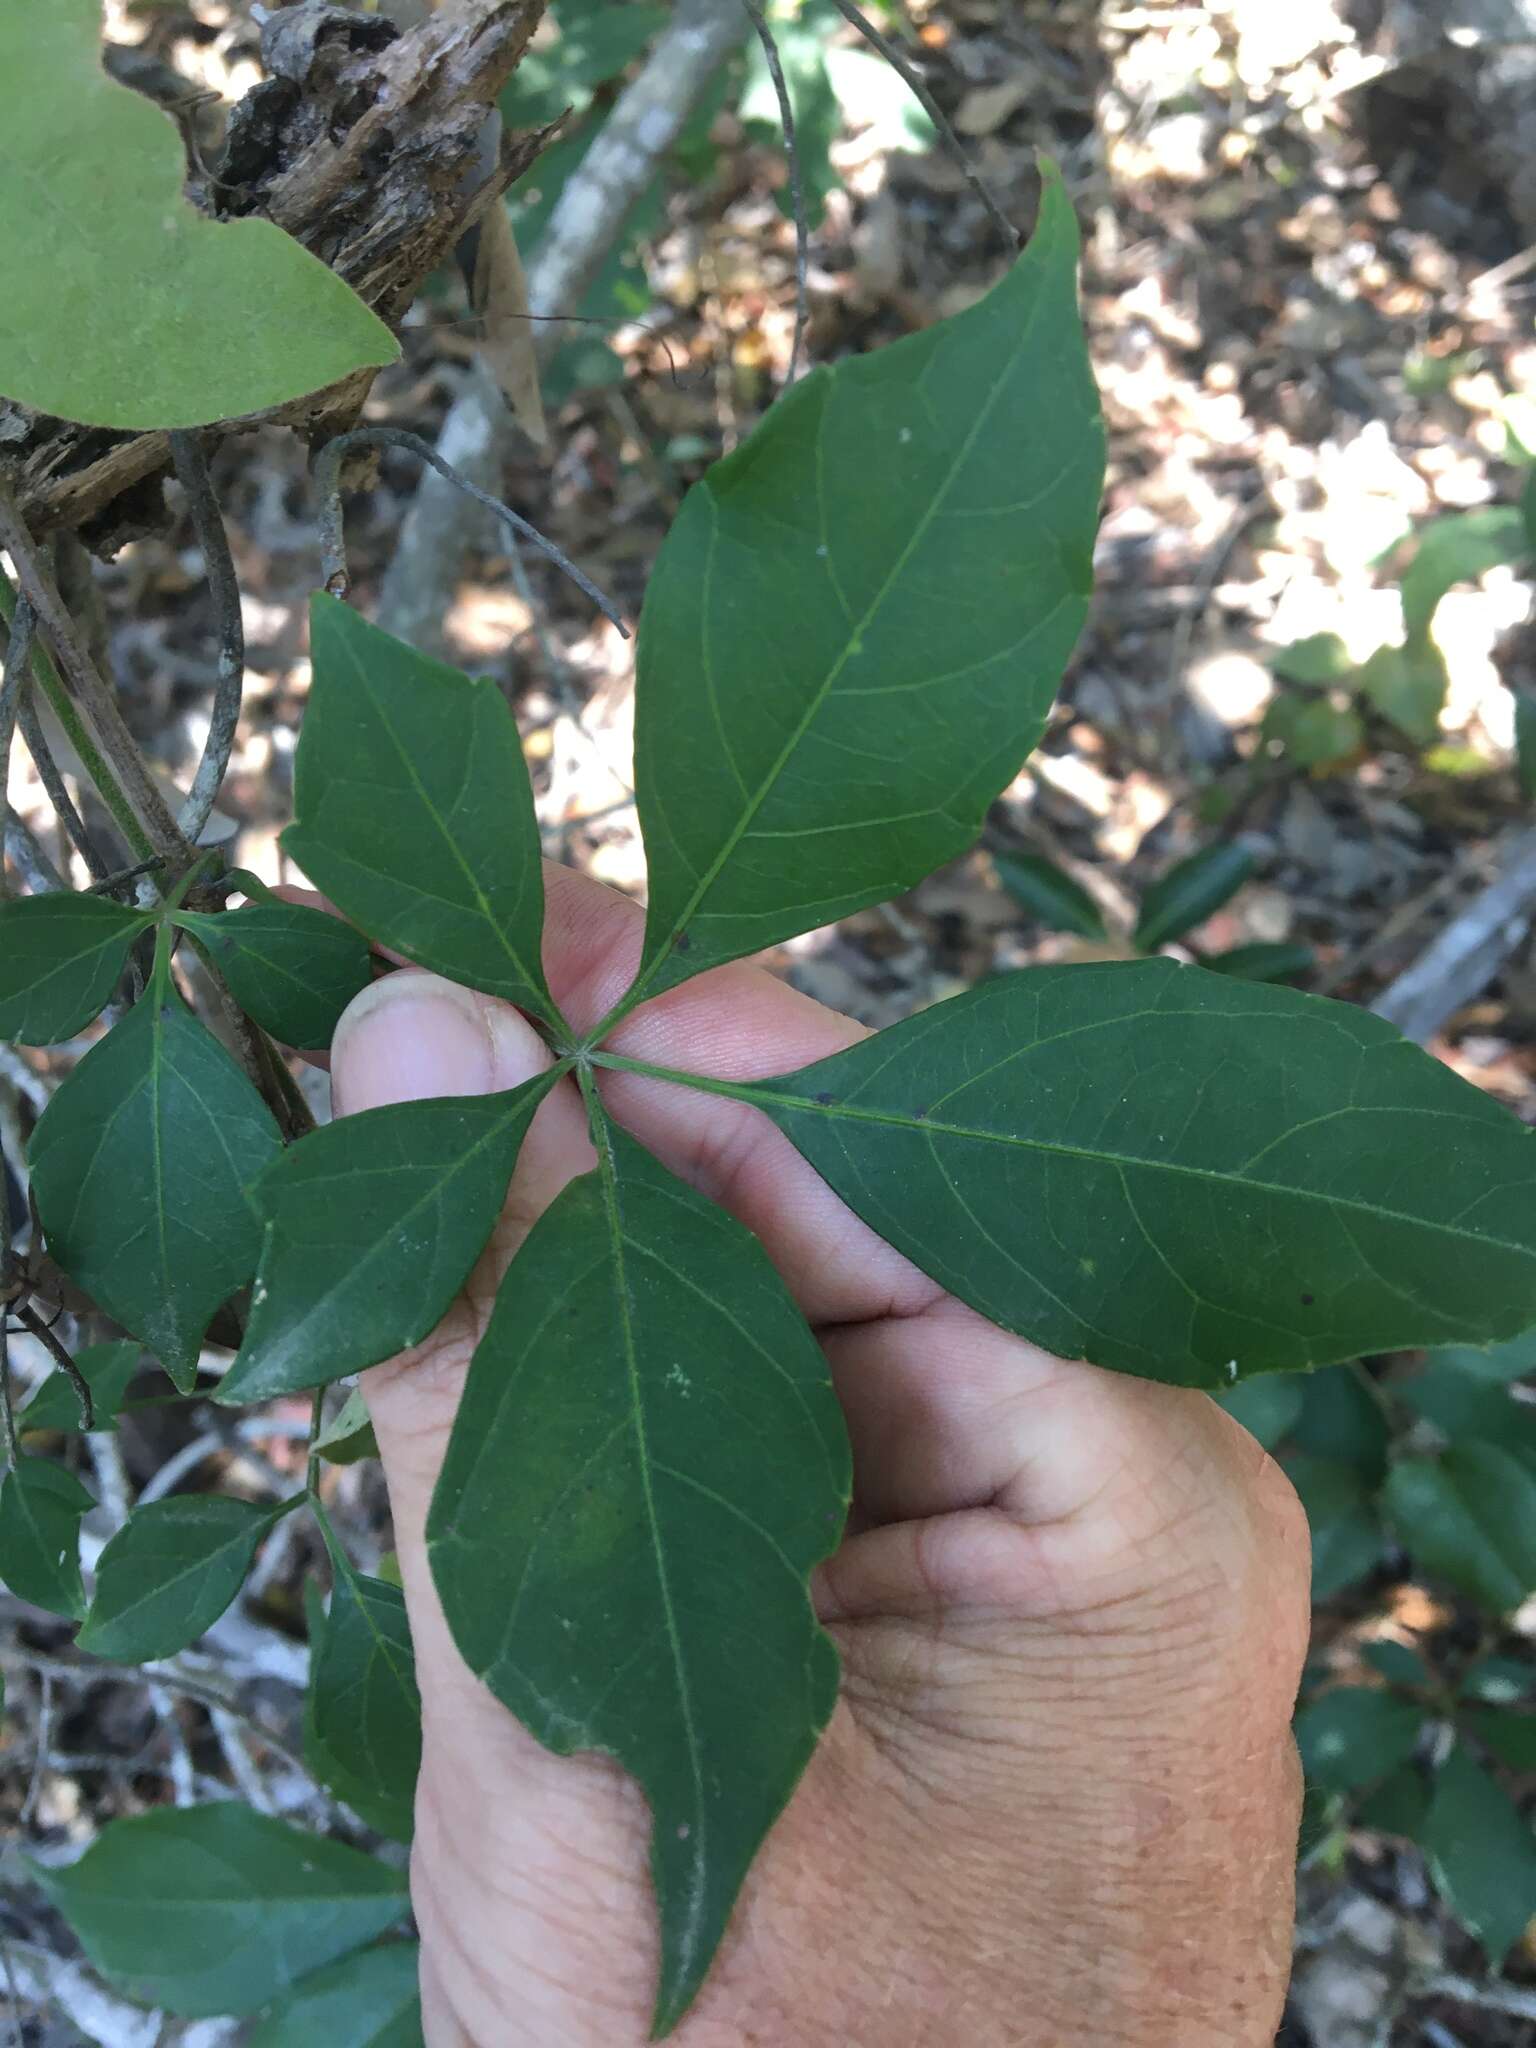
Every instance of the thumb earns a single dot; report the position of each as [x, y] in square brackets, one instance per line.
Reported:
[407, 1037]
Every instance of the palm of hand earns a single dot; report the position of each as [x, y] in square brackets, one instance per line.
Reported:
[1057, 1800]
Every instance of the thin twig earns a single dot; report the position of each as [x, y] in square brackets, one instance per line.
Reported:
[918, 87]
[126, 785]
[770, 45]
[110, 884]
[332, 538]
[224, 587]
[7, 1412]
[29, 859]
[34, 1325]
[18, 658]
[52, 779]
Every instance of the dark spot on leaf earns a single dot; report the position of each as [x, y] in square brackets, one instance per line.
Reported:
[824, 1096]
[681, 943]
[919, 1114]
[1307, 1300]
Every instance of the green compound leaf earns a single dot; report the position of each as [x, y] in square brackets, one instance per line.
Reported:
[1469, 1517]
[218, 1909]
[1482, 1852]
[170, 1572]
[650, 1455]
[291, 968]
[1355, 1735]
[363, 1712]
[1189, 893]
[60, 959]
[107, 1369]
[40, 1510]
[414, 812]
[1049, 894]
[140, 1166]
[371, 1227]
[370, 2000]
[857, 622]
[108, 257]
[1176, 1174]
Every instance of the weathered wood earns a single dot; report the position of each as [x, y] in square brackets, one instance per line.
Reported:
[363, 144]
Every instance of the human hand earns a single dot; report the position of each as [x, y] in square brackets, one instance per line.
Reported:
[1058, 1799]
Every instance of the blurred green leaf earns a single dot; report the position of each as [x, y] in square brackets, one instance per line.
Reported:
[1461, 1406]
[877, 104]
[1407, 685]
[1190, 892]
[1470, 1518]
[292, 968]
[803, 33]
[1511, 1737]
[61, 957]
[1342, 1418]
[1346, 1534]
[1395, 1661]
[1499, 1681]
[1261, 962]
[40, 1510]
[1320, 658]
[1356, 1735]
[217, 1908]
[1313, 732]
[368, 2000]
[587, 43]
[170, 1572]
[107, 1369]
[1266, 1405]
[1458, 548]
[1049, 894]
[1482, 1852]
[1398, 1805]
[1511, 1360]
[1525, 733]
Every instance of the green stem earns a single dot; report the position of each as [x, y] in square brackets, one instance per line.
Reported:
[91, 759]
[312, 1469]
[706, 1084]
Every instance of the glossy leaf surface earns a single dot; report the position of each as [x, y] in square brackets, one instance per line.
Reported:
[370, 2000]
[108, 255]
[371, 1227]
[364, 1710]
[856, 624]
[648, 1461]
[60, 959]
[1176, 1174]
[40, 1509]
[414, 812]
[140, 1166]
[169, 1573]
[219, 1909]
[291, 968]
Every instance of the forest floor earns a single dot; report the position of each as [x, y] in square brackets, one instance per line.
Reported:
[1309, 300]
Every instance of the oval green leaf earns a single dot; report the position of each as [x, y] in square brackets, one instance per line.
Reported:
[414, 812]
[363, 1712]
[1189, 893]
[170, 1572]
[857, 622]
[1176, 1174]
[1048, 893]
[370, 2000]
[61, 957]
[291, 968]
[140, 1167]
[1482, 1852]
[219, 1909]
[125, 307]
[649, 1454]
[371, 1226]
[107, 1369]
[40, 1510]
[1262, 962]
[1470, 1518]
[1356, 1735]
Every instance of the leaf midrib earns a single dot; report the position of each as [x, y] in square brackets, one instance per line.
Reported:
[854, 639]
